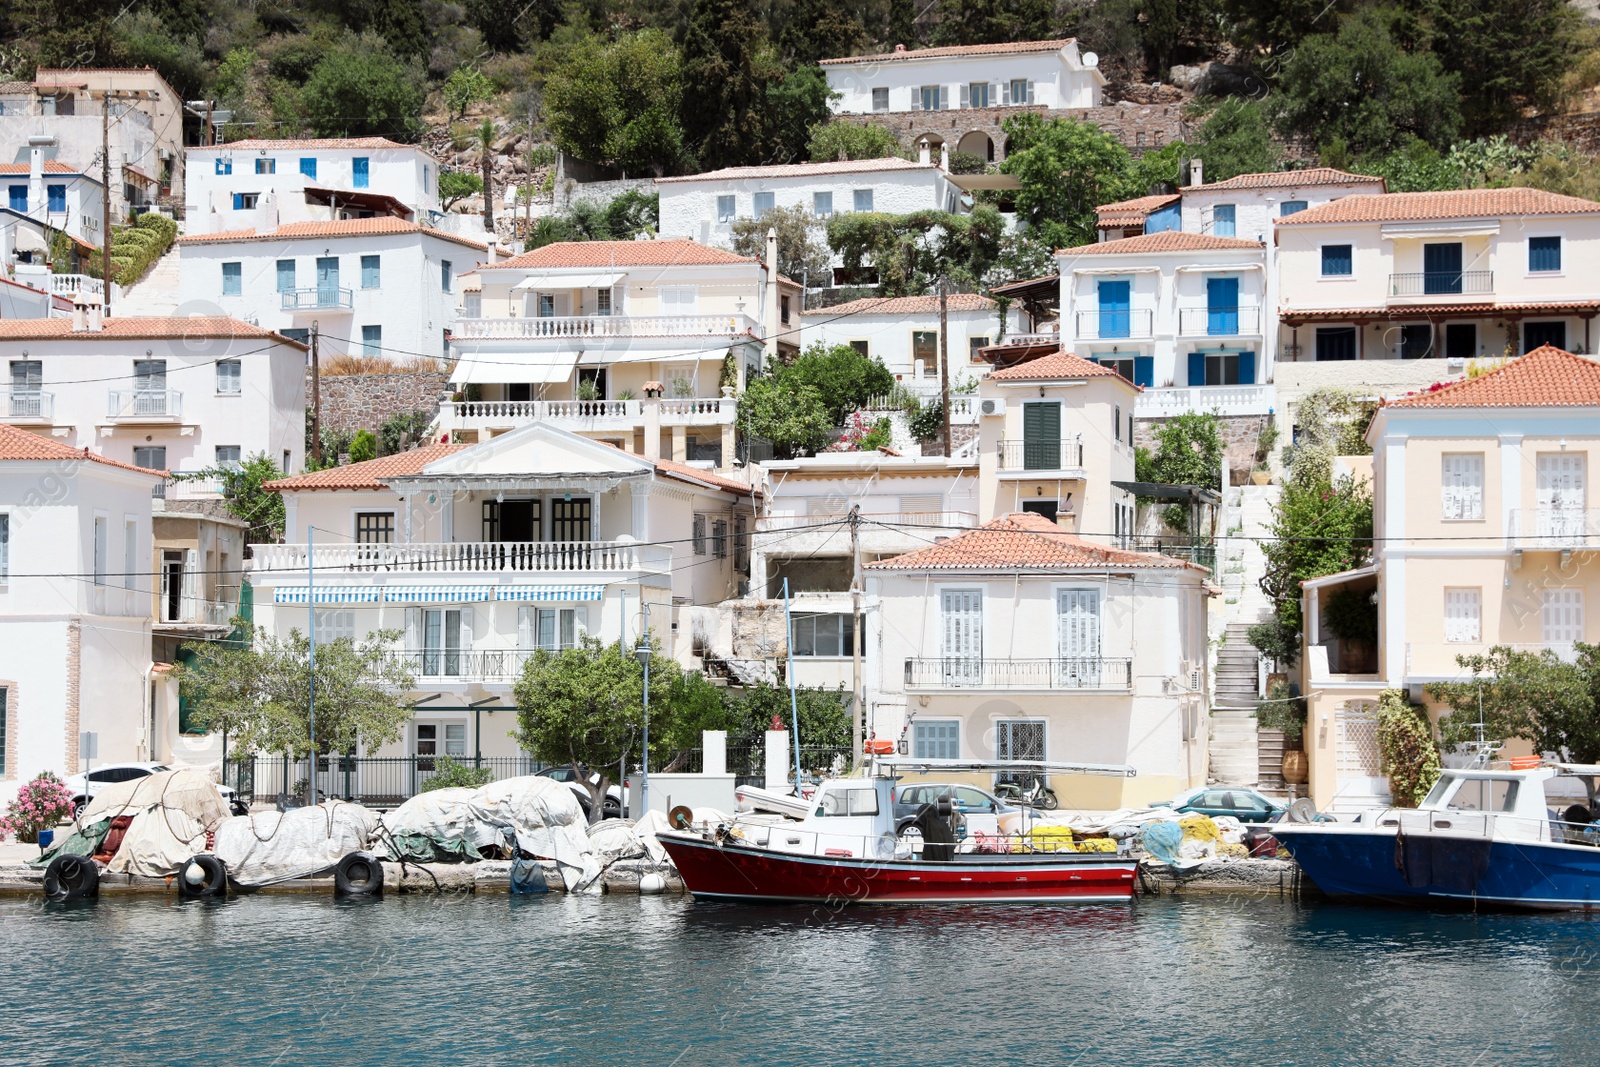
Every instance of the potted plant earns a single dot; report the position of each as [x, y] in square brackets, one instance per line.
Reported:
[1285, 712]
[1266, 441]
[40, 805]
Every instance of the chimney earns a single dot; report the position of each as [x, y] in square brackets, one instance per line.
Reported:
[36, 193]
[770, 311]
[93, 318]
[944, 156]
[1197, 171]
[924, 153]
[899, 48]
[80, 312]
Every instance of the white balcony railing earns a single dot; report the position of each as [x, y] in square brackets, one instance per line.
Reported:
[1204, 399]
[603, 326]
[470, 557]
[23, 405]
[195, 612]
[144, 404]
[584, 414]
[72, 284]
[1554, 529]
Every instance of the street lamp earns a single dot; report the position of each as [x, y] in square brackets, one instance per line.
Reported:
[642, 653]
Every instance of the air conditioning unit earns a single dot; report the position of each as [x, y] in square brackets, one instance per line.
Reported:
[991, 405]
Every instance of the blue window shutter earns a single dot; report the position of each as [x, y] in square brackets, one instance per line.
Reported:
[19, 198]
[1144, 371]
[308, 166]
[358, 172]
[1336, 260]
[1222, 224]
[238, 201]
[1247, 368]
[1544, 253]
[1291, 207]
[57, 195]
[224, 166]
[1197, 368]
[285, 275]
[1222, 306]
[1115, 317]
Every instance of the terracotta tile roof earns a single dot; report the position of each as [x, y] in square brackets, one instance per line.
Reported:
[1057, 364]
[1022, 541]
[162, 328]
[1418, 312]
[1288, 179]
[674, 253]
[685, 473]
[378, 226]
[803, 170]
[18, 444]
[1010, 48]
[908, 305]
[1165, 241]
[304, 143]
[1452, 204]
[1545, 377]
[1132, 212]
[51, 166]
[1027, 283]
[366, 475]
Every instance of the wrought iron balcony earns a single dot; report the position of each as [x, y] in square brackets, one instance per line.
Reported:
[1441, 283]
[1219, 321]
[1115, 325]
[1030, 454]
[1072, 673]
[318, 299]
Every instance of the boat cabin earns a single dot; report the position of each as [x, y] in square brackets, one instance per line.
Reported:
[1549, 803]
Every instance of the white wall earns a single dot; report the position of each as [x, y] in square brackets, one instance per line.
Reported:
[1059, 79]
[889, 338]
[404, 172]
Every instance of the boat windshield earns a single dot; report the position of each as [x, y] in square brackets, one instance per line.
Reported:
[1474, 794]
[848, 802]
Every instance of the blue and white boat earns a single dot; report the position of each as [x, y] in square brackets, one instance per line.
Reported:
[1487, 837]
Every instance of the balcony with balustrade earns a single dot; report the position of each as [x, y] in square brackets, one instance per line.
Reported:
[323, 298]
[487, 417]
[604, 327]
[1205, 399]
[396, 564]
[1206, 321]
[1041, 457]
[1058, 675]
[29, 407]
[1440, 285]
[144, 405]
[1553, 529]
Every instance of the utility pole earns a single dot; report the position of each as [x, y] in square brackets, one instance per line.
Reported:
[944, 359]
[209, 137]
[105, 198]
[316, 400]
[311, 667]
[856, 693]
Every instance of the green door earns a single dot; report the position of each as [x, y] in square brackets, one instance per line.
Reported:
[1041, 437]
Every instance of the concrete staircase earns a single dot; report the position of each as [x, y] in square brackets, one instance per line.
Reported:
[1234, 753]
[157, 293]
[1240, 754]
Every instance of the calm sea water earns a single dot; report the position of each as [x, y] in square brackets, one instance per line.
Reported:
[659, 981]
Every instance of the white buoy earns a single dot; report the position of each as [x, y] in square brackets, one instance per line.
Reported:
[194, 874]
[652, 884]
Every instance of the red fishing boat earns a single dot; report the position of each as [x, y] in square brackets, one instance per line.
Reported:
[848, 850]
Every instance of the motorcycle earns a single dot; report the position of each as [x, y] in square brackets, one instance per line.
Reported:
[1033, 794]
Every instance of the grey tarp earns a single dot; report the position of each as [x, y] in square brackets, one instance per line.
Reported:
[273, 846]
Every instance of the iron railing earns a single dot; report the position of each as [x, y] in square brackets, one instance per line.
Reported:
[1219, 321]
[30, 404]
[372, 780]
[314, 299]
[1115, 325]
[1441, 283]
[1201, 550]
[1553, 528]
[1069, 673]
[1033, 454]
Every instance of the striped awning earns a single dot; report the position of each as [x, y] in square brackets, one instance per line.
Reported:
[437, 594]
[330, 594]
[550, 592]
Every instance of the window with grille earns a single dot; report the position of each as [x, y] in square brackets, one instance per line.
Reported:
[936, 740]
[698, 535]
[824, 635]
[1463, 615]
[569, 520]
[374, 527]
[741, 544]
[1461, 485]
[719, 538]
[1018, 740]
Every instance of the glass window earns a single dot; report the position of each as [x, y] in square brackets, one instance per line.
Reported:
[978, 94]
[880, 98]
[1544, 253]
[1291, 207]
[570, 520]
[863, 199]
[374, 527]
[1416, 341]
[5, 554]
[369, 272]
[266, 166]
[455, 739]
[224, 165]
[1019, 91]
[925, 347]
[358, 172]
[936, 740]
[824, 635]
[602, 302]
[839, 802]
[308, 166]
[232, 279]
[100, 536]
[697, 536]
[547, 305]
[228, 456]
[932, 97]
[297, 333]
[285, 275]
[150, 457]
[1461, 485]
[441, 643]
[1463, 615]
[725, 208]
[229, 376]
[1336, 343]
[245, 201]
[861, 346]
[763, 203]
[56, 196]
[372, 340]
[445, 275]
[822, 203]
[1222, 220]
[1461, 340]
[1336, 261]
[557, 629]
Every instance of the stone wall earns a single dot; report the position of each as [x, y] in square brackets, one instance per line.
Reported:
[1239, 436]
[1137, 126]
[352, 402]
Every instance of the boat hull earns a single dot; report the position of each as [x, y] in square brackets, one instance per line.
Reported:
[713, 871]
[1440, 870]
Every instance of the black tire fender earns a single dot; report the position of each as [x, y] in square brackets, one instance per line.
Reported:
[71, 878]
[358, 874]
[213, 880]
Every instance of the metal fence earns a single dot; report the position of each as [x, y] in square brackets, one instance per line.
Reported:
[376, 781]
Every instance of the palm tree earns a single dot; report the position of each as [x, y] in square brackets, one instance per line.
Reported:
[485, 137]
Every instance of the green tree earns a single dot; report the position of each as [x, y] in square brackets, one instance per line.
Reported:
[144, 39]
[1510, 55]
[258, 691]
[842, 376]
[623, 218]
[795, 104]
[465, 86]
[1273, 28]
[1189, 451]
[1320, 526]
[819, 29]
[1359, 91]
[726, 59]
[484, 138]
[1405, 741]
[992, 21]
[795, 420]
[363, 446]
[359, 89]
[1067, 168]
[245, 497]
[824, 714]
[802, 249]
[911, 252]
[617, 103]
[1236, 139]
[1530, 695]
[456, 185]
[448, 774]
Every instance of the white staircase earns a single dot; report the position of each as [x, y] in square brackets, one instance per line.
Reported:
[1241, 755]
[157, 293]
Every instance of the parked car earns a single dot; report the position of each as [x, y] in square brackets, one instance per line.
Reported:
[979, 809]
[85, 786]
[1240, 801]
[610, 809]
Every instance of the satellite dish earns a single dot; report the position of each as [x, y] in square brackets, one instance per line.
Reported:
[680, 817]
[1091, 60]
[1303, 810]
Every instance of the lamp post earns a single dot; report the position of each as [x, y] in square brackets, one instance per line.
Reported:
[642, 653]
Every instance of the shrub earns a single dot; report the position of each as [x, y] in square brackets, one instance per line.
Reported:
[1283, 712]
[448, 774]
[402, 427]
[363, 446]
[926, 421]
[39, 805]
[1410, 754]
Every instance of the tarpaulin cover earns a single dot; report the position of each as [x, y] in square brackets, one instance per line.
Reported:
[84, 840]
[172, 810]
[1162, 841]
[616, 839]
[456, 824]
[273, 846]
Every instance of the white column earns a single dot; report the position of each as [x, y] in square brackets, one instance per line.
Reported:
[777, 772]
[447, 516]
[1510, 479]
[714, 746]
[641, 510]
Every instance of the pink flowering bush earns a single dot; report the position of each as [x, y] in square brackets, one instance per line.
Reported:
[40, 805]
[862, 433]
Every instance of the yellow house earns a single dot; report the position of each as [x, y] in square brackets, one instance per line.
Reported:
[1483, 536]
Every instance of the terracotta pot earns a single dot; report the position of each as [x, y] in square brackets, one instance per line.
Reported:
[1260, 477]
[1295, 767]
[1276, 678]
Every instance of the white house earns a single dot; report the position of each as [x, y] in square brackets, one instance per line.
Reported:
[379, 285]
[580, 333]
[180, 394]
[42, 196]
[75, 543]
[1021, 640]
[265, 184]
[19, 301]
[903, 333]
[704, 207]
[479, 555]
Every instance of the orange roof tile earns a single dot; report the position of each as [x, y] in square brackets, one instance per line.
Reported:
[1451, 204]
[803, 170]
[51, 166]
[1023, 541]
[672, 253]
[154, 328]
[380, 225]
[1545, 377]
[1420, 312]
[1288, 179]
[1165, 241]
[685, 473]
[304, 143]
[1057, 364]
[1132, 212]
[907, 305]
[1006, 48]
[18, 444]
[366, 474]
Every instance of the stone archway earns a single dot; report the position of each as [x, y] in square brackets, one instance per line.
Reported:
[977, 143]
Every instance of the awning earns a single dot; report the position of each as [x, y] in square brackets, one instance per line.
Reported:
[496, 368]
[550, 592]
[547, 283]
[333, 594]
[969, 182]
[437, 594]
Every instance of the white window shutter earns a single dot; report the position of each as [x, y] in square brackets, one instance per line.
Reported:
[1450, 497]
[1030, 92]
[525, 627]
[966, 98]
[191, 579]
[413, 629]
[580, 621]
[994, 92]
[944, 98]
[467, 611]
[916, 99]
[1005, 92]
